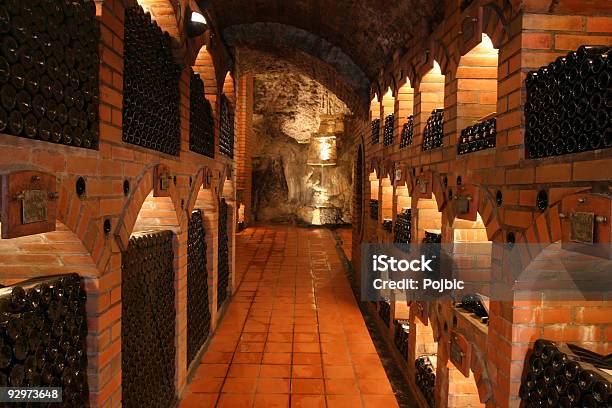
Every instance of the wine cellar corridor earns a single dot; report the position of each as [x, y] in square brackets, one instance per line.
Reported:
[313, 203]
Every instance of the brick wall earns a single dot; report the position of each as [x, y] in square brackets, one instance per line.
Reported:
[474, 81]
[80, 244]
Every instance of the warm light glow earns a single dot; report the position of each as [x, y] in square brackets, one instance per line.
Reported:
[436, 68]
[198, 18]
[325, 150]
[241, 213]
[486, 41]
[389, 93]
[322, 151]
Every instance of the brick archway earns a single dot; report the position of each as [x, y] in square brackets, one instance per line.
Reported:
[134, 204]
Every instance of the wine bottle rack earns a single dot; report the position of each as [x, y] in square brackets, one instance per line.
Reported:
[388, 130]
[226, 142]
[401, 337]
[562, 375]
[201, 122]
[477, 137]
[425, 377]
[568, 104]
[384, 311]
[49, 67]
[434, 130]
[431, 248]
[150, 86]
[473, 304]
[198, 312]
[148, 321]
[375, 128]
[403, 227]
[43, 332]
[223, 255]
[407, 132]
[374, 209]
[387, 225]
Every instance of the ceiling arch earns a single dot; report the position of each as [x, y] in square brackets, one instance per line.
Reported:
[280, 59]
[369, 32]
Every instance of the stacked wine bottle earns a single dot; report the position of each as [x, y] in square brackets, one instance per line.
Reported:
[569, 104]
[477, 137]
[374, 209]
[223, 254]
[43, 332]
[150, 86]
[198, 312]
[431, 249]
[388, 130]
[562, 375]
[407, 132]
[426, 378]
[473, 304]
[226, 142]
[375, 129]
[148, 321]
[402, 332]
[434, 130]
[387, 225]
[49, 71]
[403, 227]
[384, 311]
[201, 122]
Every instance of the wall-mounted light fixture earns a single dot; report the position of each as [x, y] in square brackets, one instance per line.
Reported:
[195, 23]
[322, 151]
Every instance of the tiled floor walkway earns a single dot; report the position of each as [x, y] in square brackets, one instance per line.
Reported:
[293, 335]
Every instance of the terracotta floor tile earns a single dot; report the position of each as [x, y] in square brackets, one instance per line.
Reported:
[294, 311]
[212, 370]
[307, 358]
[235, 400]
[199, 401]
[277, 358]
[336, 358]
[254, 337]
[307, 386]
[307, 401]
[275, 371]
[306, 338]
[274, 386]
[280, 337]
[247, 358]
[307, 347]
[379, 401]
[278, 347]
[206, 385]
[375, 386]
[244, 370]
[271, 401]
[239, 385]
[338, 371]
[341, 386]
[217, 357]
[343, 401]
[250, 347]
[307, 371]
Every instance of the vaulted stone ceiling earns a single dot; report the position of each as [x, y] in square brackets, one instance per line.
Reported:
[356, 37]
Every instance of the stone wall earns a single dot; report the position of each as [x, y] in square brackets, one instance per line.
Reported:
[287, 111]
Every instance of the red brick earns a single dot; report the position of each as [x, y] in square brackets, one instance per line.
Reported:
[571, 42]
[538, 41]
[554, 173]
[599, 24]
[551, 22]
[82, 166]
